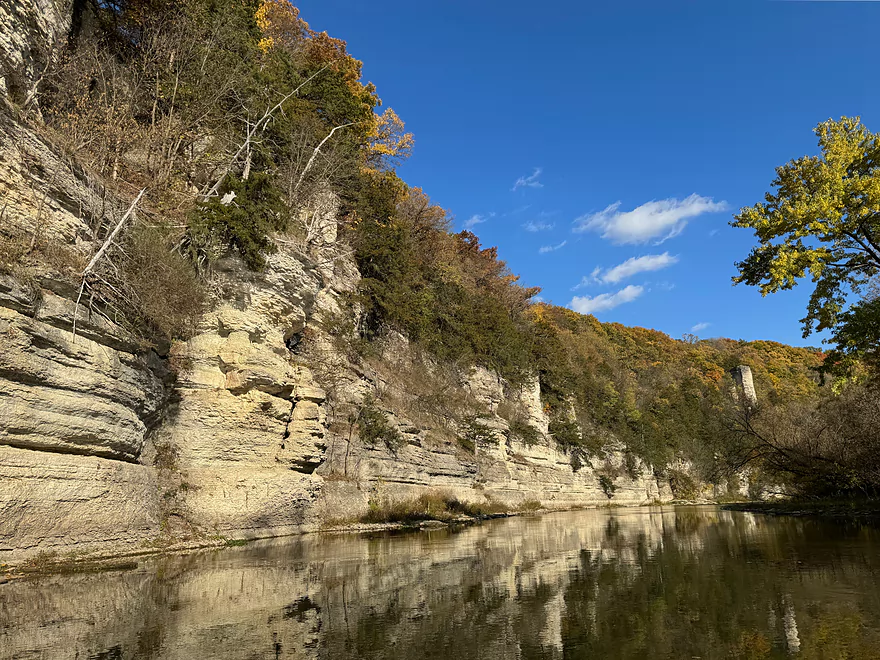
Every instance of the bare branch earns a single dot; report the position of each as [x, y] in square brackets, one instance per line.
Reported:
[258, 126]
[315, 154]
[100, 253]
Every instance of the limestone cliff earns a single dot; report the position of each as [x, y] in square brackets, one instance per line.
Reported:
[249, 428]
[103, 447]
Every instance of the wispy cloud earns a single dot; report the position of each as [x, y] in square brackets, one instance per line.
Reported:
[699, 327]
[530, 181]
[635, 265]
[551, 248]
[630, 267]
[587, 280]
[537, 226]
[605, 301]
[659, 219]
[477, 219]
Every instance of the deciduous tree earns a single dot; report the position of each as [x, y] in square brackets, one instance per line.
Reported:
[822, 222]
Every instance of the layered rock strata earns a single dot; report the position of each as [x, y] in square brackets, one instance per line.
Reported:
[107, 444]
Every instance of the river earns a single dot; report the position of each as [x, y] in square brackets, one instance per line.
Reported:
[660, 582]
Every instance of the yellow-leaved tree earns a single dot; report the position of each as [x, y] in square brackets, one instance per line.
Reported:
[823, 222]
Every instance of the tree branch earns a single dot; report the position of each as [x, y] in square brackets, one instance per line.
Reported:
[874, 255]
[315, 154]
[258, 126]
[101, 252]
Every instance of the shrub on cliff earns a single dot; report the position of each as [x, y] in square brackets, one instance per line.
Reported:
[444, 291]
[373, 427]
[169, 296]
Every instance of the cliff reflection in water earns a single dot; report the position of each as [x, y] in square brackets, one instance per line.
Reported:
[629, 583]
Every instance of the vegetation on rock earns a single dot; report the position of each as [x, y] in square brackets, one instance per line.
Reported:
[237, 117]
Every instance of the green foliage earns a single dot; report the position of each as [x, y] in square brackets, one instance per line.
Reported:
[856, 340]
[473, 432]
[684, 487]
[170, 296]
[566, 433]
[657, 395]
[467, 444]
[373, 427]
[606, 482]
[444, 291]
[524, 432]
[243, 224]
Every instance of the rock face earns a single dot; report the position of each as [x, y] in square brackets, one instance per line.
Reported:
[504, 470]
[60, 502]
[87, 394]
[742, 376]
[75, 409]
[246, 428]
[28, 32]
[107, 445]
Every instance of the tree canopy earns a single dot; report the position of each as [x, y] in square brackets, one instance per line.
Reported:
[823, 221]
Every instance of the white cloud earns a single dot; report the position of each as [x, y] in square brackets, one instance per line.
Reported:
[530, 181]
[537, 226]
[474, 220]
[477, 219]
[587, 280]
[700, 326]
[630, 267]
[660, 219]
[605, 301]
[551, 248]
[635, 265]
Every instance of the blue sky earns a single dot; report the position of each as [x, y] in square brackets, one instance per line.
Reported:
[604, 146]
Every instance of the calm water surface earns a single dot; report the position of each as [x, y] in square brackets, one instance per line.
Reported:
[685, 582]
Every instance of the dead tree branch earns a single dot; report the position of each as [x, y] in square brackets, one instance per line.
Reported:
[259, 125]
[107, 243]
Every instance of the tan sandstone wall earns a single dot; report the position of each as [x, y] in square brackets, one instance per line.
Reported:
[103, 448]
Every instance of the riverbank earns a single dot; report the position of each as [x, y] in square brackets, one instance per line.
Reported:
[66, 563]
[862, 510]
[116, 560]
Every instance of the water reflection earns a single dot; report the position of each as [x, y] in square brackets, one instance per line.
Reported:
[629, 583]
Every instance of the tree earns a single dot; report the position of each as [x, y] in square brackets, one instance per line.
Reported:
[857, 339]
[822, 221]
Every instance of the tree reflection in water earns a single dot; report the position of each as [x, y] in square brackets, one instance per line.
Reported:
[628, 583]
